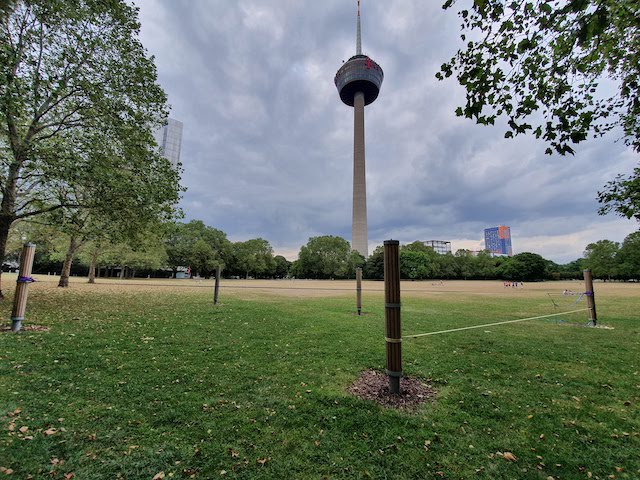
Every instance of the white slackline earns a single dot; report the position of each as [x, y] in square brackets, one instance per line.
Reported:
[492, 324]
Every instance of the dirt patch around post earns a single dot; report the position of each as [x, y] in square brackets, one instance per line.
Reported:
[374, 385]
[25, 328]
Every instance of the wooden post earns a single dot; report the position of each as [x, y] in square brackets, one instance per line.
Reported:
[359, 290]
[591, 297]
[216, 288]
[393, 332]
[24, 279]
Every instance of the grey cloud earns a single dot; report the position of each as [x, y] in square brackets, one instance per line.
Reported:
[267, 144]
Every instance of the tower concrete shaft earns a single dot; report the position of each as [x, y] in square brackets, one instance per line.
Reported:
[359, 235]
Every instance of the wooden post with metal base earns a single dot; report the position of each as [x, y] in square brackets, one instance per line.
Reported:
[216, 288]
[393, 332]
[24, 279]
[591, 298]
[359, 290]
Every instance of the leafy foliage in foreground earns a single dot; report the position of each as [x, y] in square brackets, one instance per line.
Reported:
[562, 71]
[137, 384]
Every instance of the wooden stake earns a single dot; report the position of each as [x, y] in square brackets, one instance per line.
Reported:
[24, 279]
[392, 314]
[591, 297]
[216, 288]
[359, 290]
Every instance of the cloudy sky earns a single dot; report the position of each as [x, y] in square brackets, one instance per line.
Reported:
[267, 148]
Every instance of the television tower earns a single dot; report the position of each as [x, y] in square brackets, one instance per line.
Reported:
[358, 82]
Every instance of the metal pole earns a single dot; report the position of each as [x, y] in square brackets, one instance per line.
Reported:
[359, 290]
[24, 279]
[591, 297]
[216, 288]
[392, 314]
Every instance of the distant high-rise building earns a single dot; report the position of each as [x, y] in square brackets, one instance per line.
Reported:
[498, 240]
[169, 139]
[439, 246]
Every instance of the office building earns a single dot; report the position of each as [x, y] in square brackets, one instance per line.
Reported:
[498, 240]
[169, 139]
[439, 246]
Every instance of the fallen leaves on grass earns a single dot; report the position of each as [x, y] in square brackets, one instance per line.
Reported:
[508, 456]
[158, 476]
[6, 471]
[262, 461]
[26, 328]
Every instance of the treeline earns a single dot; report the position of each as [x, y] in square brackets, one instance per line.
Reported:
[200, 250]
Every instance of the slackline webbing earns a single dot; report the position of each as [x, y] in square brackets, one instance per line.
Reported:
[492, 324]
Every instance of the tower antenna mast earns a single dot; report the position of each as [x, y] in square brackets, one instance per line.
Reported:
[358, 35]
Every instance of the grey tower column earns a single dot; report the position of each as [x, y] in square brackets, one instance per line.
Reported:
[359, 236]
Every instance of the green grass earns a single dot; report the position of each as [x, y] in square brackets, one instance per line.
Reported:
[129, 385]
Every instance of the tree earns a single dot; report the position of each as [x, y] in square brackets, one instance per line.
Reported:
[122, 192]
[628, 257]
[254, 257]
[622, 196]
[447, 264]
[374, 266]
[485, 265]
[523, 266]
[147, 253]
[600, 257]
[324, 257]
[75, 80]
[282, 266]
[187, 246]
[356, 260]
[5, 8]
[562, 71]
[463, 263]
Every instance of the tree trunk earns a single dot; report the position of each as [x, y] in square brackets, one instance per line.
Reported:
[74, 244]
[92, 267]
[5, 225]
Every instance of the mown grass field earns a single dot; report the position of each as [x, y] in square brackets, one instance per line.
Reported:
[147, 380]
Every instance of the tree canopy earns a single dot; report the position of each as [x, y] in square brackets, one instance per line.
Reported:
[524, 266]
[629, 257]
[325, 257]
[196, 245]
[600, 257]
[78, 104]
[562, 71]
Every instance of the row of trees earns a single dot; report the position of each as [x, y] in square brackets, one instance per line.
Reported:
[331, 257]
[158, 252]
[204, 249]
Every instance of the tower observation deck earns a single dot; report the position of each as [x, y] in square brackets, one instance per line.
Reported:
[358, 81]
[359, 74]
